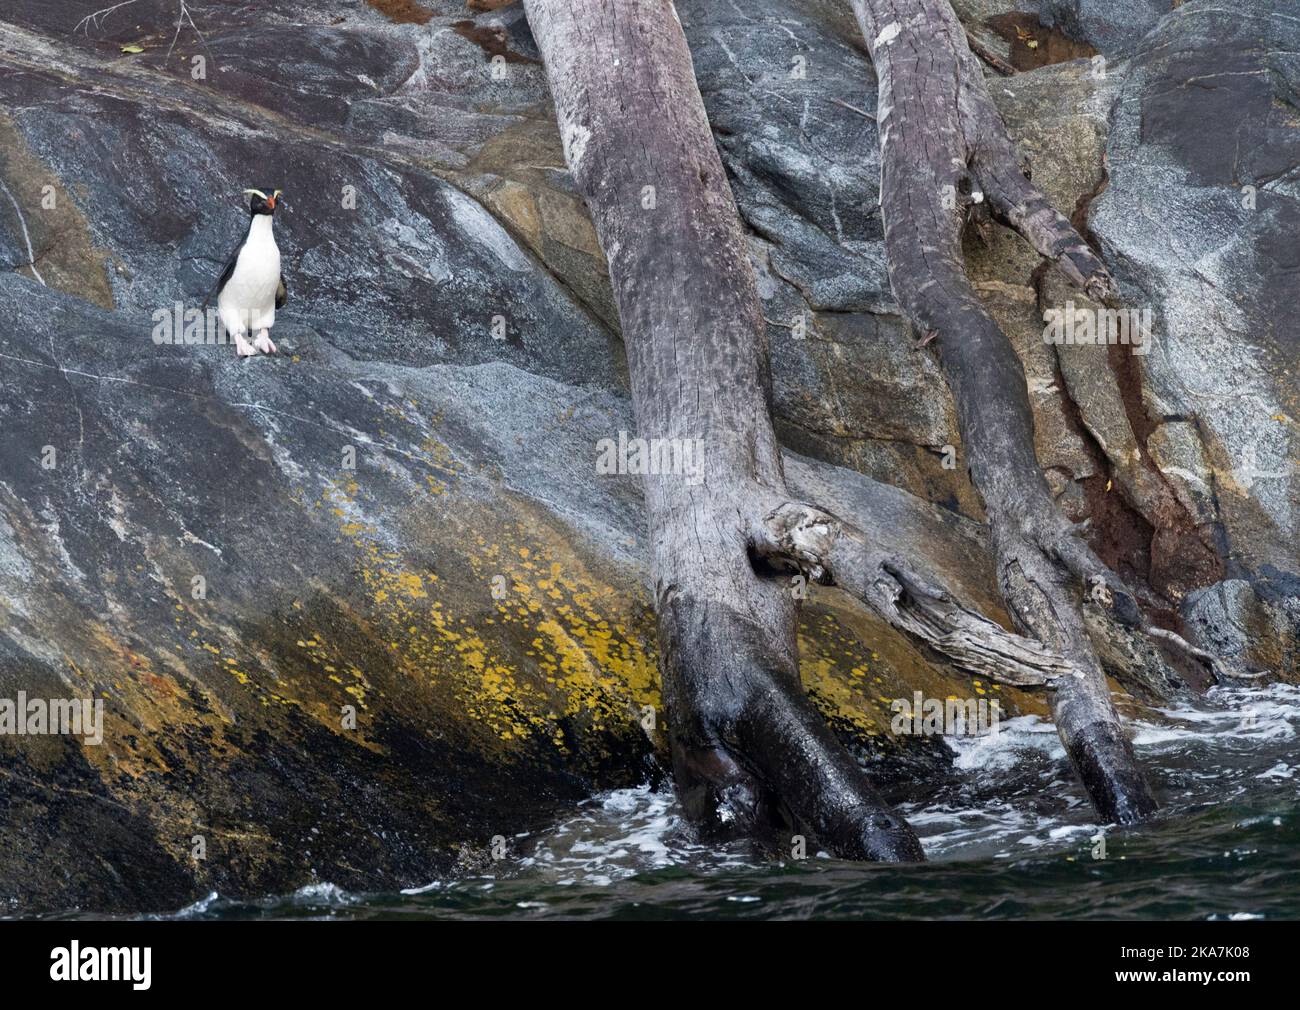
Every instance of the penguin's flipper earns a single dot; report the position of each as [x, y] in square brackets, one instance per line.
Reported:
[225, 273]
[281, 294]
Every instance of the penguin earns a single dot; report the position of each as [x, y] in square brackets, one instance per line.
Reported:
[251, 286]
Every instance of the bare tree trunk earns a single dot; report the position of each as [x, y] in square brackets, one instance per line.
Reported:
[749, 751]
[945, 150]
[640, 149]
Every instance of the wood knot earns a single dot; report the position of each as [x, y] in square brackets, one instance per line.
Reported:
[798, 536]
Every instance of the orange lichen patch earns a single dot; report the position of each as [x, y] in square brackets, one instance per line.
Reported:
[69, 260]
[403, 12]
[492, 39]
[582, 641]
[142, 706]
[442, 462]
[319, 661]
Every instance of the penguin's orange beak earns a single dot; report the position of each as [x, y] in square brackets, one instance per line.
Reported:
[270, 201]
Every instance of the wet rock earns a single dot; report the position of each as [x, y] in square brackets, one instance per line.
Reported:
[1193, 230]
[1256, 623]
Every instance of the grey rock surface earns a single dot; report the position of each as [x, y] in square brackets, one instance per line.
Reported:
[1199, 222]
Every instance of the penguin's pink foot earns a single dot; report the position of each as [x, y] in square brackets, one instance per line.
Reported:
[243, 348]
[263, 343]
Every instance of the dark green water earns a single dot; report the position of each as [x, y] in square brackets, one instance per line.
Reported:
[1009, 836]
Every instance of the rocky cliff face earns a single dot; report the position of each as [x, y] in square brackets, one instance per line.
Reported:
[355, 610]
[1200, 219]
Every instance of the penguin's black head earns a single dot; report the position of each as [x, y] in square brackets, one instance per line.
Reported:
[262, 201]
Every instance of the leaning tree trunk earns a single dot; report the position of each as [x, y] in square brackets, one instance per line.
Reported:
[749, 751]
[945, 149]
[639, 147]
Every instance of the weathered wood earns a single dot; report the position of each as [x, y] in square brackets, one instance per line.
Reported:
[831, 551]
[747, 745]
[990, 57]
[944, 148]
[748, 748]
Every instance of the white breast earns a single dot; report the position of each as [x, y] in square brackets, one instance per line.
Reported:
[247, 302]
